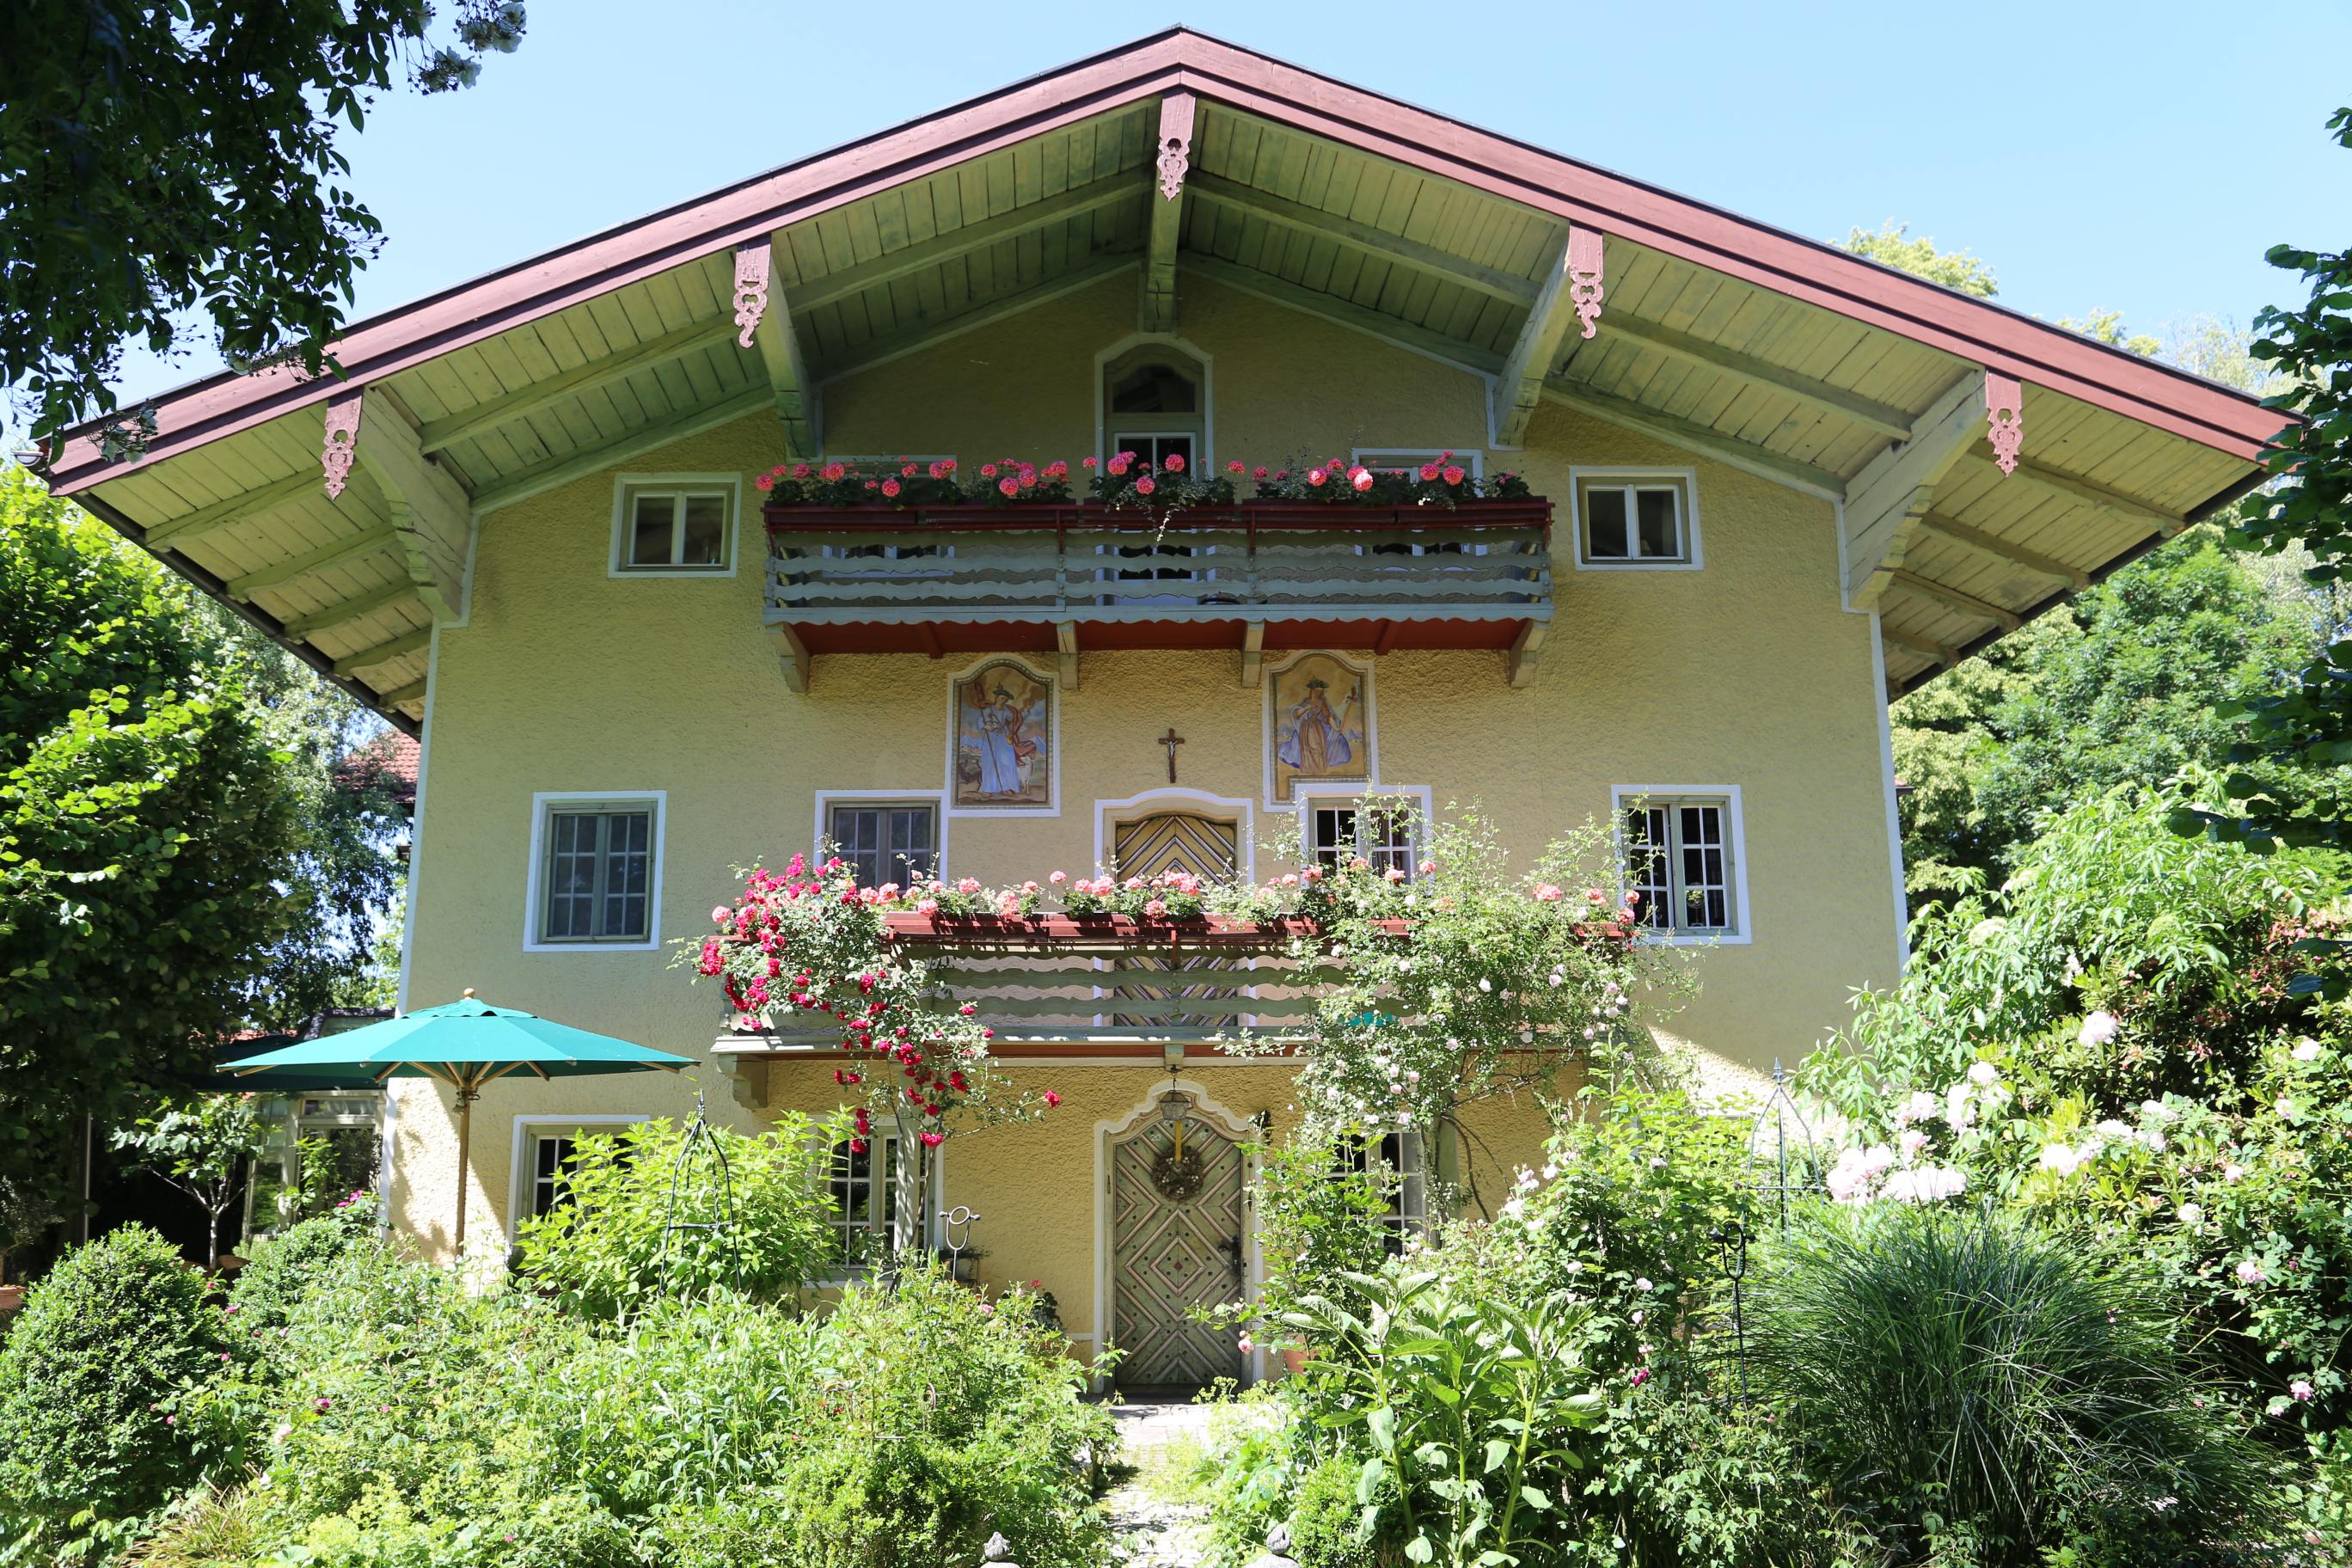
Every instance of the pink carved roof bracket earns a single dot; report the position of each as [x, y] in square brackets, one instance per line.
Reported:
[751, 287]
[1176, 113]
[2005, 413]
[1585, 250]
[341, 439]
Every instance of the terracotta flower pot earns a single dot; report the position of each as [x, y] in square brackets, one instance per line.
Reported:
[1295, 1357]
[11, 1298]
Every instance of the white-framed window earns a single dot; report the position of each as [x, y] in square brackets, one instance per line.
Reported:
[1155, 403]
[1384, 824]
[1635, 518]
[546, 1148]
[864, 1186]
[595, 871]
[1682, 856]
[1399, 1156]
[1472, 462]
[887, 839]
[675, 525]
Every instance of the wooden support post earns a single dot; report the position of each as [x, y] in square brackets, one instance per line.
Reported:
[1519, 387]
[1886, 502]
[794, 657]
[1253, 654]
[1174, 157]
[1066, 640]
[1526, 650]
[763, 319]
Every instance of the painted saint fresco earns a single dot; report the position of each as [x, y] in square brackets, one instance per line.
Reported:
[1004, 740]
[1322, 724]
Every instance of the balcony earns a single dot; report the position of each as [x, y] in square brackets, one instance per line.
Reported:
[1256, 575]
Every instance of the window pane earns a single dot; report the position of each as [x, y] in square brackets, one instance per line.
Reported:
[912, 844]
[1604, 525]
[1334, 828]
[1661, 531]
[706, 530]
[551, 1158]
[886, 843]
[1707, 900]
[1154, 389]
[651, 520]
[572, 876]
[628, 862]
[1645, 866]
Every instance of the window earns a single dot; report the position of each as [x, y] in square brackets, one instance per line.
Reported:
[675, 525]
[1378, 827]
[1647, 517]
[595, 871]
[547, 1151]
[1156, 404]
[1682, 858]
[887, 841]
[552, 1155]
[1397, 1156]
[1386, 458]
[865, 1188]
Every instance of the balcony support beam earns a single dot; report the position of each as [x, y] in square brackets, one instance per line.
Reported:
[1065, 643]
[1526, 650]
[1253, 654]
[793, 655]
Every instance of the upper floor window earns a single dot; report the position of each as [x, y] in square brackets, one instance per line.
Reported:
[1636, 518]
[887, 841]
[596, 878]
[1381, 828]
[1156, 404]
[1683, 858]
[667, 525]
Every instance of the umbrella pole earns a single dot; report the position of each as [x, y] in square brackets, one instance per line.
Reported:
[466, 1095]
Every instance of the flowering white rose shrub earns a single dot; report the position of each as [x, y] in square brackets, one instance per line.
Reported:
[2132, 1043]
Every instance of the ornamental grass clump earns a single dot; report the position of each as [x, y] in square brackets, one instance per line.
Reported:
[1969, 1381]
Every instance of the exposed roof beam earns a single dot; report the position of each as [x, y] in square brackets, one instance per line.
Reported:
[925, 254]
[400, 646]
[432, 515]
[325, 558]
[1172, 160]
[1676, 431]
[1942, 652]
[1508, 287]
[2076, 488]
[401, 697]
[2031, 559]
[1520, 386]
[351, 609]
[434, 435]
[925, 334]
[1967, 603]
[1345, 313]
[1887, 499]
[763, 315]
[221, 513]
[594, 459]
[1884, 418]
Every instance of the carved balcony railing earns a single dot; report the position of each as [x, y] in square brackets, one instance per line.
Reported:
[1054, 987]
[1258, 574]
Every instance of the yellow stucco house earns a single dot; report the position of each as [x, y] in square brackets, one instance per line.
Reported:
[1773, 485]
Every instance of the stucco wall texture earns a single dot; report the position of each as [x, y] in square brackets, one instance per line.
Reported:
[563, 678]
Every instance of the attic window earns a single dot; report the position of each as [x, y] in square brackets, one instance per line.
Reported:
[1636, 518]
[674, 525]
[1156, 404]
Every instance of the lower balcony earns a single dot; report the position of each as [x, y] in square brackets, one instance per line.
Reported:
[1254, 575]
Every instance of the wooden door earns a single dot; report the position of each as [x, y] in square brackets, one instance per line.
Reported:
[1171, 841]
[1176, 1240]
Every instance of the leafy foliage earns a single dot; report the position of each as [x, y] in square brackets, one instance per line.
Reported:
[1971, 1378]
[611, 1245]
[157, 159]
[1891, 244]
[88, 1380]
[201, 1148]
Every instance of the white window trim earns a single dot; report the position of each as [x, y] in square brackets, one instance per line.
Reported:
[1207, 453]
[1306, 796]
[937, 799]
[1688, 505]
[929, 1199]
[539, 802]
[1471, 458]
[527, 1130]
[1052, 807]
[1111, 814]
[623, 483]
[1743, 930]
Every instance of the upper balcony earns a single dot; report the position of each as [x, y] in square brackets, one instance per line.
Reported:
[1257, 575]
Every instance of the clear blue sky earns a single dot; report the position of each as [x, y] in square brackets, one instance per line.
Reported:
[2099, 153]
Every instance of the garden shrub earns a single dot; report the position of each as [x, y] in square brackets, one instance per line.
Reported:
[91, 1378]
[611, 1244]
[1966, 1373]
[281, 1270]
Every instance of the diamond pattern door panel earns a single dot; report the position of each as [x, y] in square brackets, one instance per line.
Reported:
[1171, 841]
[1176, 1237]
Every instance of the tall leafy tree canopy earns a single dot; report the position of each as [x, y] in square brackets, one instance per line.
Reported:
[159, 158]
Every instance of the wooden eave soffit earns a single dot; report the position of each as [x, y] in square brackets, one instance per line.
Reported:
[432, 515]
[1572, 290]
[764, 321]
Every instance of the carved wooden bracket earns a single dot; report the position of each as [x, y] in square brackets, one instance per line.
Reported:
[751, 289]
[1175, 143]
[342, 440]
[1584, 280]
[2005, 411]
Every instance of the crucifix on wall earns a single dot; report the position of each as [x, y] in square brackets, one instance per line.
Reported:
[1172, 740]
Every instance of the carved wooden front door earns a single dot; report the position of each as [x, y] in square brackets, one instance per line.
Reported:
[1171, 841]
[1176, 1242]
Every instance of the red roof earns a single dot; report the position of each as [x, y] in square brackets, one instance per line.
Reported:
[388, 761]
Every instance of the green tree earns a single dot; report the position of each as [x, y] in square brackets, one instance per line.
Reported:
[144, 831]
[159, 158]
[203, 1149]
[1891, 244]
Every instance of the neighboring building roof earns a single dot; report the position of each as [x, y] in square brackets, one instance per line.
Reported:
[388, 760]
[1781, 355]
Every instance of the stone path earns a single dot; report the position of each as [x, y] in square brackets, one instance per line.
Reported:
[1146, 1531]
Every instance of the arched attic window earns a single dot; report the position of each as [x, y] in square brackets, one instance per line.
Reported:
[1156, 403]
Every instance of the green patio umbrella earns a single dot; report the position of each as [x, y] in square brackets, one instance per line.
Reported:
[465, 1043]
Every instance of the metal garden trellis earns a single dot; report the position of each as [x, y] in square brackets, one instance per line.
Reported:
[1731, 1238]
[702, 1137]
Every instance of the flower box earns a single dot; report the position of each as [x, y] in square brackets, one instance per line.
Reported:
[1533, 512]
